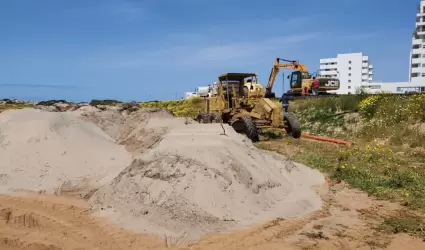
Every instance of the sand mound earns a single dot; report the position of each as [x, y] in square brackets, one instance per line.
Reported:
[131, 130]
[195, 181]
[44, 150]
[177, 177]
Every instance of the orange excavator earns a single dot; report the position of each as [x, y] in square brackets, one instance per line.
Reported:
[300, 80]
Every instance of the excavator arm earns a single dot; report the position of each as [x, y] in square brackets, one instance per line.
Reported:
[291, 64]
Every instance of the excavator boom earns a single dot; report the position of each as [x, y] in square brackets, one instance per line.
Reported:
[290, 64]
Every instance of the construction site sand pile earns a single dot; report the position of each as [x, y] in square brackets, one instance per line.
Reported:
[176, 178]
[130, 129]
[194, 181]
[42, 150]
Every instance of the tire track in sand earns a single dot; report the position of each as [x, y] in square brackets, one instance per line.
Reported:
[46, 222]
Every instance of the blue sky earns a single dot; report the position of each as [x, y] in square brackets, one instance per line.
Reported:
[157, 49]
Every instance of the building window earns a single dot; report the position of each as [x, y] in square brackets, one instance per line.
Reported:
[349, 74]
[423, 46]
[349, 93]
[423, 74]
[423, 55]
[349, 68]
[349, 80]
[349, 87]
[349, 62]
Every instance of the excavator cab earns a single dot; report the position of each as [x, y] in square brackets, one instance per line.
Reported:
[297, 78]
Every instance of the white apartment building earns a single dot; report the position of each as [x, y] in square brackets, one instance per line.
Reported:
[353, 71]
[417, 53]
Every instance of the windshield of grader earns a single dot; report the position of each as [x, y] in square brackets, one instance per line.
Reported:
[251, 79]
[231, 83]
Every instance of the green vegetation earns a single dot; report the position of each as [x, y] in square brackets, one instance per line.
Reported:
[11, 105]
[387, 159]
[108, 102]
[397, 118]
[404, 222]
[182, 108]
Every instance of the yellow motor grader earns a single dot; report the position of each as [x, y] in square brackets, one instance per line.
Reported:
[251, 116]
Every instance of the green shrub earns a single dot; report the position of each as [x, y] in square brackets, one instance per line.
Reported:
[108, 102]
[182, 108]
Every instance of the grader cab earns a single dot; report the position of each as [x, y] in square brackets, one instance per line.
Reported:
[248, 115]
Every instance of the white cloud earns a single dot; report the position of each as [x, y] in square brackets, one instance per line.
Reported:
[217, 46]
[212, 46]
[245, 50]
[194, 54]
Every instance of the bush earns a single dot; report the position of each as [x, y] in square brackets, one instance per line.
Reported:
[108, 102]
[51, 102]
[183, 108]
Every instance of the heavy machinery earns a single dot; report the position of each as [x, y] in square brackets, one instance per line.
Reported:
[300, 79]
[252, 88]
[246, 115]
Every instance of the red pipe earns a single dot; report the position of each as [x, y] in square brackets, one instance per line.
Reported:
[321, 138]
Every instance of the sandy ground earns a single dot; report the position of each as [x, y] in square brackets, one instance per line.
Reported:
[195, 181]
[155, 174]
[43, 151]
[35, 222]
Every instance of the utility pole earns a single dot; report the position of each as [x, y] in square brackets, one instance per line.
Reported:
[283, 82]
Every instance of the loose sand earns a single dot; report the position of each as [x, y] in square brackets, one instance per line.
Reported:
[346, 221]
[177, 178]
[194, 181]
[44, 151]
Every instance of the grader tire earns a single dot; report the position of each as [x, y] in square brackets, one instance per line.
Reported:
[293, 126]
[250, 129]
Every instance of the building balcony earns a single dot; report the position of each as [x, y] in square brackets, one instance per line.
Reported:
[417, 60]
[420, 23]
[417, 41]
[327, 73]
[370, 66]
[418, 51]
[370, 72]
[418, 70]
[365, 65]
[328, 60]
[365, 71]
[420, 32]
[322, 66]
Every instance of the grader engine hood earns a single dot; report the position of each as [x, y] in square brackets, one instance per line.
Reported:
[329, 83]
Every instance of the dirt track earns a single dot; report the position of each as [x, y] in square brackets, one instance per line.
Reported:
[50, 222]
